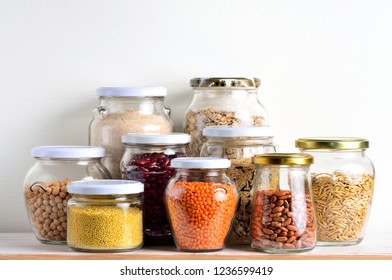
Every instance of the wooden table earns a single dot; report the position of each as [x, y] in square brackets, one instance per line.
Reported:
[24, 246]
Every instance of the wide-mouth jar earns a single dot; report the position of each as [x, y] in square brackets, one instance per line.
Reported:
[105, 216]
[46, 186]
[342, 186]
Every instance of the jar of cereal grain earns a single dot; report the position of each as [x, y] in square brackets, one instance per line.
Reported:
[342, 185]
[282, 219]
[126, 110]
[201, 202]
[147, 159]
[239, 145]
[222, 101]
[45, 186]
[105, 215]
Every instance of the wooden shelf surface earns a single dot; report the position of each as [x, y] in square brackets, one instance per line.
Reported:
[24, 246]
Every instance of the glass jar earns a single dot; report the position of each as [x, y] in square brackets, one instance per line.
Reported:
[126, 110]
[201, 202]
[282, 219]
[342, 184]
[239, 145]
[222, 101]
[105, 216]
[147, 159]
[45, 186]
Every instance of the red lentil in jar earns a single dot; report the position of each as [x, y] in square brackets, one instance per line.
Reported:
[147, 159]
[200, 202]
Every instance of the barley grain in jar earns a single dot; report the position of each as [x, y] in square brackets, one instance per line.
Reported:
[46, 186]
[201, 202]
[282, 218]
[342, 185]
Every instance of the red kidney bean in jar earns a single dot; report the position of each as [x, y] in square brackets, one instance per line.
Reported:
[147, 159]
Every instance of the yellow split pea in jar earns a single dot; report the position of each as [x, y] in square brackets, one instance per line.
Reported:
[105, 216]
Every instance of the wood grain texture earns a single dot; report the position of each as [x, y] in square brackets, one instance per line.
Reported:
[24, 246]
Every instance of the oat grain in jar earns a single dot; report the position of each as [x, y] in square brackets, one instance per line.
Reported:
[342, 184]
[222, 101]
[46, 186]
[124, 110]
[239, 145]
[201, 202]
[147, 159]
[283, 218]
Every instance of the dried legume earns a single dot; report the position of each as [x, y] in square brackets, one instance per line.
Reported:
[200, 214]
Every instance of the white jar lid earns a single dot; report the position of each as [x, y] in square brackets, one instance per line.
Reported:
[68, 152]
[105, 187]
[239, 131]
[156, 138]
[200, 162]
[132, 91]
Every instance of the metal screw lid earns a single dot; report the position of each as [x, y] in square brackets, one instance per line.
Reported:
[332, 143]
[283, 159]
[225, 82]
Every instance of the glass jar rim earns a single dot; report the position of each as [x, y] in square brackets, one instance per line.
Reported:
[283, 159]
[239, 131]
[200, 162]
[105, 187]
[332, 143]
[65, 151]
[132, 91]
[156, 138]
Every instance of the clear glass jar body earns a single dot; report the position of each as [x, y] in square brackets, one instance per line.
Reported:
[222, 105]
[105, 223]
[46, 194]
[118, 115]
[200, 205]
[342, 186]
[240, 151]
[282, 219]
[150, 164]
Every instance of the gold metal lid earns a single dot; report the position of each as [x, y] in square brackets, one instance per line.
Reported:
[225, 82]
[332, 143]
[283, 159]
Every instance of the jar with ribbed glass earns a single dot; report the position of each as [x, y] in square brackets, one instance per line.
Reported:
[282, 219]
[124, 110]
[343, 185]
[239, 145]
[105, 216]
[201, 202]
[147, 159]
[46, 186]
[222, 101]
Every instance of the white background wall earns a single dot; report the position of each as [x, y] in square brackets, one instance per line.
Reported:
[325, 66]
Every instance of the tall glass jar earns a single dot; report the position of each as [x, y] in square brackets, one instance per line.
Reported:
[343, 184]
[222, 101]
[239, 145]
[105, 216]
[201, 202]
[147, 159]
[283, 218]
[45, 186]
[124, 110]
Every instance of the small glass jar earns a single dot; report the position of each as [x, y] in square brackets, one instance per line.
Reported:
[147, 159]
[283, 218]
[342, 185]
[239, 145]
[222, 101]
[45, 186]
[201, 202]
[126, 110]
[105, 216]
